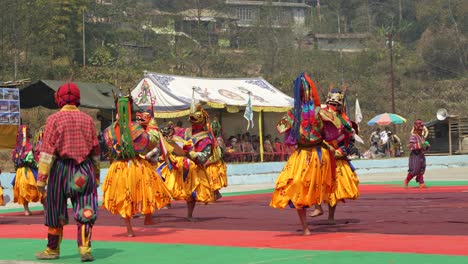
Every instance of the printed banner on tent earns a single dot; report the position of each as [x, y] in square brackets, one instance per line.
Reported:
[9, 106]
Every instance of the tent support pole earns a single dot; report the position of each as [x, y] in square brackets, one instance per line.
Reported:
[260, 131]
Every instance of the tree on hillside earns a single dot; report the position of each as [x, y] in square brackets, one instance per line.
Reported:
[440, 51]
[444, 44]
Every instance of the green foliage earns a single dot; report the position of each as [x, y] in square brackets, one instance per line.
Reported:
[443, 52]
[102, 57]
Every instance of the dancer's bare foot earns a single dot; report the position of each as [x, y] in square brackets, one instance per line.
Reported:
[316, 212]
[191, 219]
[27, 212]
[306, 232]
[331, 222]
[128, 224]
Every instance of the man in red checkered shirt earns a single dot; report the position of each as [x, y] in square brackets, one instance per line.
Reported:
[69, 166]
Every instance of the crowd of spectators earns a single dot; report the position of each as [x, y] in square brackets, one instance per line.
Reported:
[246, 148]
[238, 148]
[383, 143]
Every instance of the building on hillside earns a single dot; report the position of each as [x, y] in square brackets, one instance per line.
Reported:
[207, 26]
[269, 15]
[449, 136]
[345, 42]
[285, 13]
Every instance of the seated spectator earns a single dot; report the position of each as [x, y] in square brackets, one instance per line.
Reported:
[268, 154]
[373, 153]
[233, 150]
[255, 143]
[221, 143]
[354, 152]
[247, 148]
[279, 150]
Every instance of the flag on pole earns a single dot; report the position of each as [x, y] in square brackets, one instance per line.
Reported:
[358, 114]
[248, 114]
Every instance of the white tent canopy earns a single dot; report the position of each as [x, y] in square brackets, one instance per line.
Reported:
[171, 95]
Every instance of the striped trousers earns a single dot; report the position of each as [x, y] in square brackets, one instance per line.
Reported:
[77, 182]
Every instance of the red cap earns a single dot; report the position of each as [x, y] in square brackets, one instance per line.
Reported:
[68, 93]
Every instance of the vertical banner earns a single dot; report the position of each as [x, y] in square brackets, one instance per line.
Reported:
[9, 106]
[9, 116]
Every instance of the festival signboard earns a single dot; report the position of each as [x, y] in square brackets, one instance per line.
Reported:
[9, 106]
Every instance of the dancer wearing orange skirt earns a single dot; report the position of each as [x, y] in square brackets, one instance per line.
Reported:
[1, 191]
[131, 185]
[215, 166]
[199, 151]
[309, 172]
[24, 184]
[175, 166]
[347, 181]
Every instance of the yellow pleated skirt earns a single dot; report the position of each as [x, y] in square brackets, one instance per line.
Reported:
[186, 181]
[133, 186]
[1, 196]
[305, 179]
[218, 173]
[174, 178]
[25, 189]
[199, 184]
[346, 183]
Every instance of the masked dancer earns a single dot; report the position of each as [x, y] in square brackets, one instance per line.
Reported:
[199, 151]
[131, 186]
[24, 183]
[309, 172]
[347, 181]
